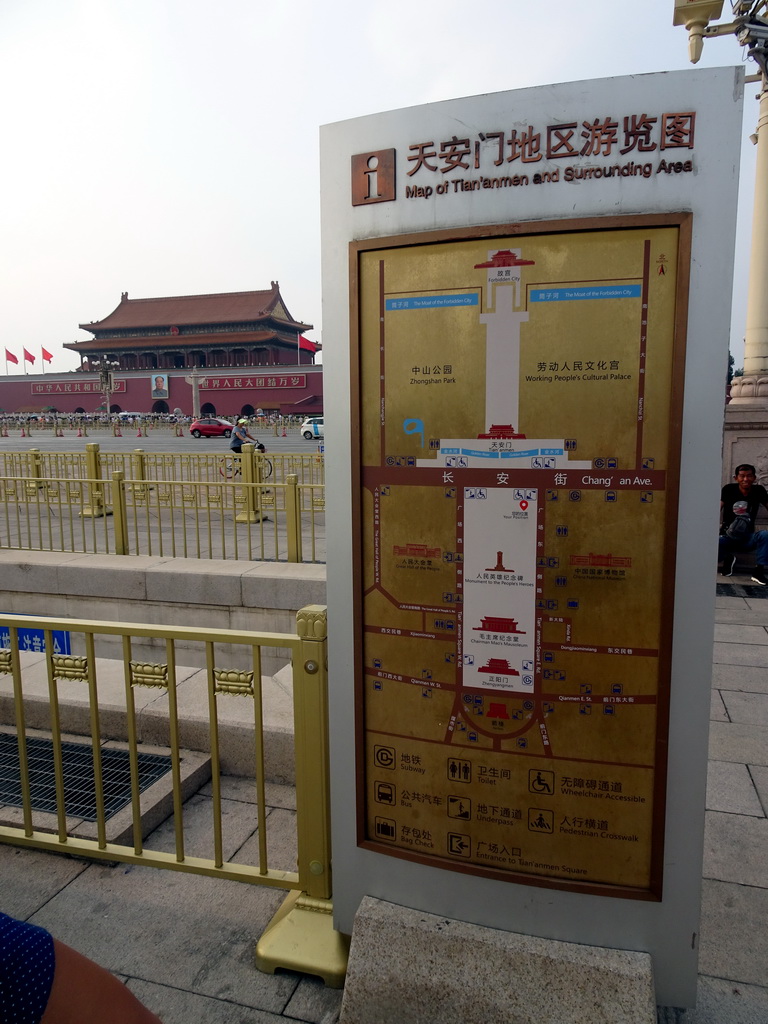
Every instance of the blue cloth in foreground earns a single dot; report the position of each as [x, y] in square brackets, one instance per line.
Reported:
[27, 963]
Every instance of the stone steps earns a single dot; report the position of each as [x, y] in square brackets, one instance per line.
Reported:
[235, 714]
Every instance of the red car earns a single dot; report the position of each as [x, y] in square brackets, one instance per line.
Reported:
[210, 426]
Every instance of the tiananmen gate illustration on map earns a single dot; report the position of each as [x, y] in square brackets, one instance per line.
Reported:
[519, 402]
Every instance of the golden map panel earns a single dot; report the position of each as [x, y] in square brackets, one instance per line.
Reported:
[518, 461]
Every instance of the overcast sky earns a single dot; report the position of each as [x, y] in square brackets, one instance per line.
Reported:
[170, 147]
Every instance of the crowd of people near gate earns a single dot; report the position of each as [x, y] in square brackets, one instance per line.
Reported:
[51, 421]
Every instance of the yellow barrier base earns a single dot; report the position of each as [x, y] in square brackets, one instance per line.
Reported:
[300, 937]
[95, 512]
[249, 517]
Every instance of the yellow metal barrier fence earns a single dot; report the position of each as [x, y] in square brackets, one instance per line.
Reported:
[166, 466]
[37, 682]
[239, 516]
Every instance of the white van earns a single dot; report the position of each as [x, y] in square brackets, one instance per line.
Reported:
[312, 427]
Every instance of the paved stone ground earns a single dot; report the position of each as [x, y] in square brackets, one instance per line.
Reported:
[733, 965]
[185, 944]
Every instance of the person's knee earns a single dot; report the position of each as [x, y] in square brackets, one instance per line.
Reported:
[760, 545]
[85, 993]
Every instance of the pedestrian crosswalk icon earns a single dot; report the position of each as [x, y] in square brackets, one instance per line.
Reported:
[541, 820]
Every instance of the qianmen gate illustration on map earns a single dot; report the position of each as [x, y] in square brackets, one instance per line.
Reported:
[520, 398]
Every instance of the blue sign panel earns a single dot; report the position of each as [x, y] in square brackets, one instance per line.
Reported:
[618, 291]
[34, 640]
[432, 301]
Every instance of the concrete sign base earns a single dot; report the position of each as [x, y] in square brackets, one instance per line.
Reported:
[409, 967]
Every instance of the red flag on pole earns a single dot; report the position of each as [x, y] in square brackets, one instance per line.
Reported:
[28, 356]
[47, 356]
[10, 357]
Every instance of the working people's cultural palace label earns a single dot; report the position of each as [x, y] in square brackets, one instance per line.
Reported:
[518, 481]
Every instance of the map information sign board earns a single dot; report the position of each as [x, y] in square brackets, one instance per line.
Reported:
[520, 396]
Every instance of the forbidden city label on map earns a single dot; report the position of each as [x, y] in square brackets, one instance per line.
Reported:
[518, 471]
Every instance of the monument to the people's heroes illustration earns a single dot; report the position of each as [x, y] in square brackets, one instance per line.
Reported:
[530, 293]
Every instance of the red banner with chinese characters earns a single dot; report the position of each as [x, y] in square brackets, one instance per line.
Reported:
[263, 380]
[80, 387]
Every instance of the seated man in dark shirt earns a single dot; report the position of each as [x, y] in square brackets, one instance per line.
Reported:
[739, 504]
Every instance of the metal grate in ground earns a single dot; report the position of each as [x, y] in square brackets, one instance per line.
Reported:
[741, 590]
[79, 788]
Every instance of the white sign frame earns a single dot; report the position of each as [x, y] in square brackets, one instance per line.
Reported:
[668, 929]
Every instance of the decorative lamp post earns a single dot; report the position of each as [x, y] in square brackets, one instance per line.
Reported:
[106, 368]
[750, 26]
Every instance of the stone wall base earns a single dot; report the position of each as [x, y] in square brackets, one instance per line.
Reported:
[205, 593]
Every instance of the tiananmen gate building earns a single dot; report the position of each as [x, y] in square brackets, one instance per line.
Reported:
[246, 350]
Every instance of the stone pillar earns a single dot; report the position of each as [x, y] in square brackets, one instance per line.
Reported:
[745, 430]
[756, 337]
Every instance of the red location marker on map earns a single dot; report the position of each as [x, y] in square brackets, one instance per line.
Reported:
[523, 505]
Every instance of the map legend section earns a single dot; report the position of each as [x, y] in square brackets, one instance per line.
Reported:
[517, 511]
